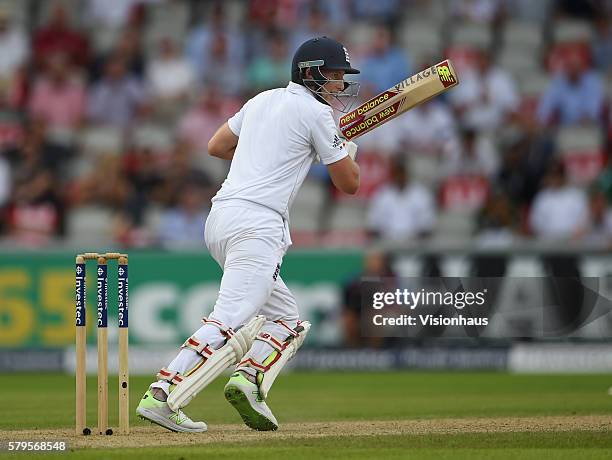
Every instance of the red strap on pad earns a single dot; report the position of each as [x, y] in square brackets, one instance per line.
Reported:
[170, 376]
[227, 332]
[200, 348]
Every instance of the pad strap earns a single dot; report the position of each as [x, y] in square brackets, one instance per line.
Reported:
[270, 340]
[291, 331]
[250, 362]
[284, 351]
[201, 348]
[227, 331]
[169, 376]
[220, 359]
[274, 343]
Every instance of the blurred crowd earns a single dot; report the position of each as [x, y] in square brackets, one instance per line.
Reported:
[107, 106]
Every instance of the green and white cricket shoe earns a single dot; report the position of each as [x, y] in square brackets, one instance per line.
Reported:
[244, 396]
[159, 413]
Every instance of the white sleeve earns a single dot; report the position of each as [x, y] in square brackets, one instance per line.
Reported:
[325, 138]
[235, 122]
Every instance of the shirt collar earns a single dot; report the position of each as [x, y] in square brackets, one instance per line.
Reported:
[297, 89]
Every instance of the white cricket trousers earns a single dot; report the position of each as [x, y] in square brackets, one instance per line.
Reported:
[248, 241]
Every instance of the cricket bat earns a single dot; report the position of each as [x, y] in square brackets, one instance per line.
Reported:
[403, 96]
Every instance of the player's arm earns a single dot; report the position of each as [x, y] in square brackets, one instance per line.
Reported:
[345, 175]
[223, 143]
[338, 156]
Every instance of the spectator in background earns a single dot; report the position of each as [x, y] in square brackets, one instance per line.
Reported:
[428, 129]
[58, 96]
[200, 123]
[170, 75]
[600, 228]
[219, 63]
[584, 9]
[527, 10]
[58, 36]
[385, 64]
[512, 178]
[377, 266]
[6, 173]
[474, 155]
[496, 221]
[182, 225]
[269, 70]
[35, 151]
[11, 119]
[560, 211]
[604, 181]
[495, 231]
[477, 11]
[525, 162]
[316, 25]
[216, 43]
[401, 209]
[128, 49]
[574, 96]
[380, 10]
[5, 183]
[487, 96]
[180, 171]
[113, 192]
[602, 44]
[117, 98]
[337, 14]
[98, 13]
[36, 209]
[14, 45]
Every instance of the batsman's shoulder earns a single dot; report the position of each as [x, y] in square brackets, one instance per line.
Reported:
[308, 109]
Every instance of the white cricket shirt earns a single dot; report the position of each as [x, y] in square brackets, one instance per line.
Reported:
[279, 133]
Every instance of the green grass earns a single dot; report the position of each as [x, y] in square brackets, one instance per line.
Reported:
[47, 401]
[300, 397]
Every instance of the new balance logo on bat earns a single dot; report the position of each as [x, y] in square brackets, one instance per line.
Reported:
[403, 96]
[444, 73]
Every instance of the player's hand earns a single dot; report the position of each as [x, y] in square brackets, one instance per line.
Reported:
[351, 148]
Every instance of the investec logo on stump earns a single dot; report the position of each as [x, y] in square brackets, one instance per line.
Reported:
[102, 291]
[80, 294]
[122, 295]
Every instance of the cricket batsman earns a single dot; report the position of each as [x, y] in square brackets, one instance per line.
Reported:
[271, 142]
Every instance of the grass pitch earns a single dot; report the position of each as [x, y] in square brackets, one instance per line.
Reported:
[341, 415]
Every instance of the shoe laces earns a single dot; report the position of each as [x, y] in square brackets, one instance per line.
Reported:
[258, 396]
[179, 417]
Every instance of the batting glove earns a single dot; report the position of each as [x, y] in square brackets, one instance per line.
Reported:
[351, 148]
